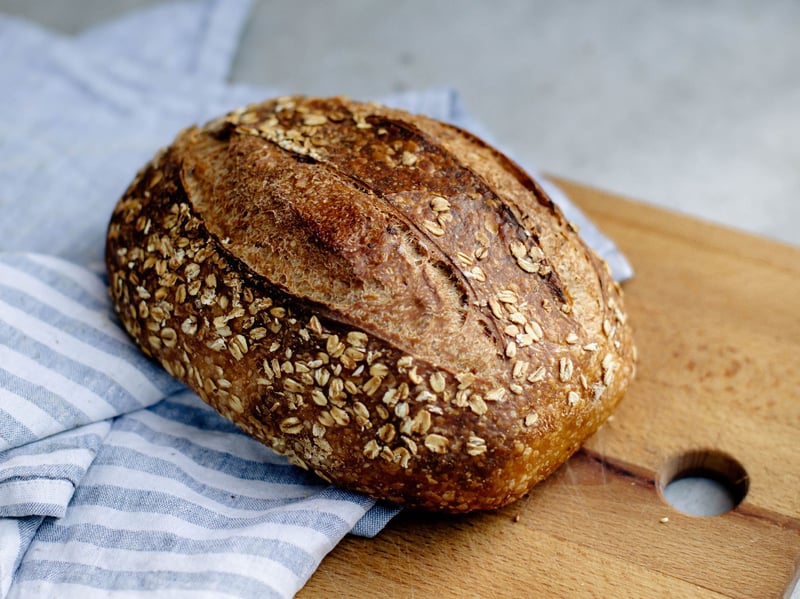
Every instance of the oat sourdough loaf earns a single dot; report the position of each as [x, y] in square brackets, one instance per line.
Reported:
[383, 298]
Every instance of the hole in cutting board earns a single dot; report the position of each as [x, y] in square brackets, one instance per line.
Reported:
[703, 483]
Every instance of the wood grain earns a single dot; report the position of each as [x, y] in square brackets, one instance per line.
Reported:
[716, 320]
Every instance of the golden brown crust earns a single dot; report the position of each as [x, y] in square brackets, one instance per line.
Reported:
[381, 297]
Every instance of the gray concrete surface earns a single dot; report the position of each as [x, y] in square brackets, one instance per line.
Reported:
[690, 105]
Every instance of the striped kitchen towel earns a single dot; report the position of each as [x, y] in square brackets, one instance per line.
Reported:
[114, 477]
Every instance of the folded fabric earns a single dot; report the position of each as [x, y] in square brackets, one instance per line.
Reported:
[166, 496]
[80, 116]
[114, 478]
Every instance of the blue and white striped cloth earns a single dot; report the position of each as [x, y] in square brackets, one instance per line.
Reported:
[115, 477]
[115, 480]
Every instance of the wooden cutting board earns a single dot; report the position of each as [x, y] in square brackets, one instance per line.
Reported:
[717, 323]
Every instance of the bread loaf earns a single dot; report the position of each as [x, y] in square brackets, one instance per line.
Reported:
[381, 297]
